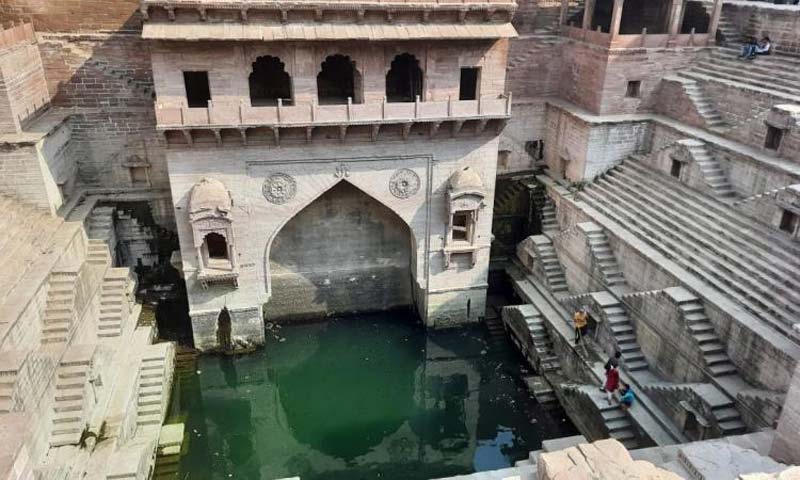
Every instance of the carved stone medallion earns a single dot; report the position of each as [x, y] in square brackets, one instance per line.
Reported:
[404, 183]
[279, 188]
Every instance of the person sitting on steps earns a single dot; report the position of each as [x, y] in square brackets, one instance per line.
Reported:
[580, 320]
[626, 396]
[752, 48]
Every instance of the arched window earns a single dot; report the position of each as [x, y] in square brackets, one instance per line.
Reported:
[404, 80]
[338, 80]
[269, 82]
[217, 246]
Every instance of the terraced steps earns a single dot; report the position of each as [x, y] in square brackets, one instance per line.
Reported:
[543, 344]
[70, 406]
[117, 292]
[554, 274]
[763, 284]
[712, 171]
[59, 310]
[153, 387]
[604, 256]
[718, 363]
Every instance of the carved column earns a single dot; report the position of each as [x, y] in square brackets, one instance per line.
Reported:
[714, 22]
[588, 13]
[616, 17]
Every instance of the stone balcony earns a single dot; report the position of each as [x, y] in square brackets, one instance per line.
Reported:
[340, 11]
[186, 126]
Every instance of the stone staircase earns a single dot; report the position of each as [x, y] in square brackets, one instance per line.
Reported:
[155, 377]
[98, 253]
[702, 330]
[549, 219]
[750, 263]
[774, 74]
[59, 312]
[604, 256]
[616, 421]
[712, 172]
[622, 330]
[722, 408]
[543, 344]
[508, 199]
[554, 274]
[100, 224]
[704, 105]
[69, 407]
[116, 296]
[8, 381]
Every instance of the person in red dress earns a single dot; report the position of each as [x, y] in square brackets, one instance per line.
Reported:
[612, 382]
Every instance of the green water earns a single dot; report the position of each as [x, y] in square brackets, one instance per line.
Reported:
[368, 397]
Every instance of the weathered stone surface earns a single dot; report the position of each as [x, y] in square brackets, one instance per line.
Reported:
[604, 459]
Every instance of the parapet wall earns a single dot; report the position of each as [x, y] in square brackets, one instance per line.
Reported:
[23, 88]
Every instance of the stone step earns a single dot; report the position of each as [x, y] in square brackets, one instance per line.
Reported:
[68, 405]
[762, 306]
[727, 413]
[732, 426]
[60, 440]
[723, 369]
[704, 247]
[636, 365]
[721, 217]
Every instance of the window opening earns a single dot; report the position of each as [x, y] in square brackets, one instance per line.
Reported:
[198, 91]
[217, 246]
[789, 221]
[269, 82]
[338, 80]
[774, 138]
[676, 169]
[461, 227]
[404, 80]
[468, 87]
[634, 89]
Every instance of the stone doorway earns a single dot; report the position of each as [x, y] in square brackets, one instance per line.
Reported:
[224, 330]
[344, 253]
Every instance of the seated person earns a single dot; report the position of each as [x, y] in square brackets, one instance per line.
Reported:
[625, 396]
[753, 48]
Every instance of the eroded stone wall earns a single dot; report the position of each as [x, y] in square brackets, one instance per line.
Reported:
[343, 253]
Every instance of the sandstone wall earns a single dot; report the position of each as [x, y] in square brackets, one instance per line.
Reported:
[580, 150]
[445, 296]
[343, 253]
[23, 90]
[73, 15]
[786, 447]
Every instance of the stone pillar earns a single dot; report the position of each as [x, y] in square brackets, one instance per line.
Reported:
[588, 13]
[676, 16]
[786, 446]
[616, 17]
[247, 327]
[714, 22]
[564, 12]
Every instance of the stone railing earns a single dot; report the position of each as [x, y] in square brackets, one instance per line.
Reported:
[639, 40]
[227, 115]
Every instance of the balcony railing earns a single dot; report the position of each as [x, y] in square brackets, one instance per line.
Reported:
[227, 115]
[638, 40]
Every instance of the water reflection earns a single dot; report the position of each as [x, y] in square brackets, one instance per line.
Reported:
[362, 398]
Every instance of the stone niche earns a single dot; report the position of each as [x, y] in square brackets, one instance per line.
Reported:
[465, 195]
[210, 207]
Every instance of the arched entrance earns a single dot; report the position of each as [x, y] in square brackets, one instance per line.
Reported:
[344, 253]
[224, 330]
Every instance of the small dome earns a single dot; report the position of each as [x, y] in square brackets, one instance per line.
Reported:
[466, 180]
[209, 194]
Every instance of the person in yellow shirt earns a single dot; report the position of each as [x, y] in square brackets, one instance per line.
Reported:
[581, 320]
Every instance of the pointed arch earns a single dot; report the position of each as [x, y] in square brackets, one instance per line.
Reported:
[347, 233]
[338, 80]
[404, 81]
